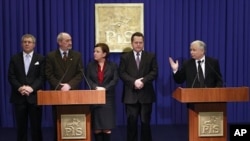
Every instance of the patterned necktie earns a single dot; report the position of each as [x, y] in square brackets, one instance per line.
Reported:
[27, 60]
[138, 60]
[201, 76]
[64, 56]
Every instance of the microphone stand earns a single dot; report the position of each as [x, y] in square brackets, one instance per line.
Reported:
[63, 76]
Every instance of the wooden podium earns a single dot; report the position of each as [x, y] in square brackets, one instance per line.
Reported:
[71, 103]
[203, 103]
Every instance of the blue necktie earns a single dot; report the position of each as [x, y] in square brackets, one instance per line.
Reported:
[27, 63]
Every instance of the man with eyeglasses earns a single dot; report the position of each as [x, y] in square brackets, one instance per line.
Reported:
[26, 76]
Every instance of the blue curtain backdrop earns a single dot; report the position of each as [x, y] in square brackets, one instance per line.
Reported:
[169, 27]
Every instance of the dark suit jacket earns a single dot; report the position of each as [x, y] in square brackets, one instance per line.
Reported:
[17, 77]
[110, 77]
[103, 115]
[129, 73]
[188, 73]
[56, 69]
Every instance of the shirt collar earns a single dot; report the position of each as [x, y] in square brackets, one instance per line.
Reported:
[202, 59]
[61, 51]
[31, 54]
[136, 53]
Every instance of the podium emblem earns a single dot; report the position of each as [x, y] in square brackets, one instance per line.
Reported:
[210, 124]
[73, 126]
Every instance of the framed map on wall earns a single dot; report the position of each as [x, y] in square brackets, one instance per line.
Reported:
[116, 22]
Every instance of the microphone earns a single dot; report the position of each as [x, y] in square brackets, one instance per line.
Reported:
[63, 75]
[84, 76]
[217, 74]
[196, 76]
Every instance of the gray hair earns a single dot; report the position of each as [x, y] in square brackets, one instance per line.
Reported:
[61, 35]
[29, 36]
[200, 43]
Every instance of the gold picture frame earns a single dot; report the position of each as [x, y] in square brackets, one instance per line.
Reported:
[116, 22]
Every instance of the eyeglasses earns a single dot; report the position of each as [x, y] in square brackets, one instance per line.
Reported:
[29, 42]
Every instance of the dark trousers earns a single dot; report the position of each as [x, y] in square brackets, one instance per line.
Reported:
[26, 111]
[102, 137]
[143, 111]
[54, 118]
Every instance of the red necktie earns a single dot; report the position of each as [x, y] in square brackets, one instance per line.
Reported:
[64, 56]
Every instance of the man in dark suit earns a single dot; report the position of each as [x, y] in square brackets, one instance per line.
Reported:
[63, 68]
[138, 69]
[26, 76]
[190, 72]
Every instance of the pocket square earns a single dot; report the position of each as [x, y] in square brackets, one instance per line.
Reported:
[37, 63]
